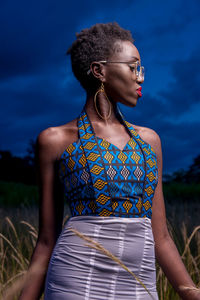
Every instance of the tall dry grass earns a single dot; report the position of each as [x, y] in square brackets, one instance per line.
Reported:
[17, 241]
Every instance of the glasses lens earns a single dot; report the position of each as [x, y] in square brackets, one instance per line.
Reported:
[138, 67]
[140, 72]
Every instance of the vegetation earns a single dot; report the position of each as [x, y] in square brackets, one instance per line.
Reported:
[19, 221]
[18, 238]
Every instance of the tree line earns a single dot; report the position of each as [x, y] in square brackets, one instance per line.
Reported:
[23, 169]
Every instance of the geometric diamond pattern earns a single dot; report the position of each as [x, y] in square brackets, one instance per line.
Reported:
[102, 199]
[147, 205]
[105, 144]
[83, 160]
[93, 156]
[92, 205]
[132, 143]
[109, 157]
[111, 172]
[115, 204]
[105, 213]
[151, 162]
[89, 145]
[70, 149]
[125, 172]
[122, 157]
[135, 157]
[138, 173]
[80, 207]
[151, 176]
[139, 205]
[127, 205]
[85, 176]
[100, 179]
[99, 184]
[71, 163]
[96, 169]
[149, 190]
[74, 180]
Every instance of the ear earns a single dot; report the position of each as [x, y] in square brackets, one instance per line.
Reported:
[98, 70]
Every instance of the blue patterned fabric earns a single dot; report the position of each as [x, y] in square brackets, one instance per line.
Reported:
[102, 180]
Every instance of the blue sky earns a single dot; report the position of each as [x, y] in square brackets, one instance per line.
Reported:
[38, 90]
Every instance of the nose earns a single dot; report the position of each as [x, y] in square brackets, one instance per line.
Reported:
[140, 75]
[140, 79]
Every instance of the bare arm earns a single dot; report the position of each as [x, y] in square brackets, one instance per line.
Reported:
[50, 212]
[166, 252]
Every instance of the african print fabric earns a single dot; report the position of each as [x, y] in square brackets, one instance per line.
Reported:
[102, 180]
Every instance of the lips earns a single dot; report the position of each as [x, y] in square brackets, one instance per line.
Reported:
[139, 91]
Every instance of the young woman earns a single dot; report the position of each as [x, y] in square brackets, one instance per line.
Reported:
[111, 172]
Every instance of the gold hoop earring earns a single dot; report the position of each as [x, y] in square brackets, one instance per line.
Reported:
[102, 90]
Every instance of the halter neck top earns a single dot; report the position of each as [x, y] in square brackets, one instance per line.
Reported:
[102, 180]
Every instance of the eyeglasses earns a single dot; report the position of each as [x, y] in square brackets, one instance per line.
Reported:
[134, 66]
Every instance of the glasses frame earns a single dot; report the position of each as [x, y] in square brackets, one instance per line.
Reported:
[139, 74]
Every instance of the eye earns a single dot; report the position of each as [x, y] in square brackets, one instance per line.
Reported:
[132, 67]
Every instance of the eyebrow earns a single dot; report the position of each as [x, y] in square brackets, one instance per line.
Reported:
[134, 57]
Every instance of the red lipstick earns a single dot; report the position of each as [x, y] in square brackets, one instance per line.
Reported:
[139, 91]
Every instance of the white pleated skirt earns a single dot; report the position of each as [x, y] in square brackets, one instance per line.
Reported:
[78, 272]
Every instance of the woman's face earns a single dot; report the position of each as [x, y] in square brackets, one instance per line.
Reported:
[121, 83]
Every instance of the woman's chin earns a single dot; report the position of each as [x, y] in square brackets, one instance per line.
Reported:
[131, 102]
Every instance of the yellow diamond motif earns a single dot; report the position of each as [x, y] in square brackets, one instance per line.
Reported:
[71, 163]
[146, 150]
[89, 145]
[80, 207]
[134, 132]
[122, 157]
[141, 141]
[70, 149]
[105, 144]
[96, 169]
[83, 160]
[93, 156]
[151, 162]
[132, 143]
[135, 157]
[87, 136]
[151, 176]
[85, 126]
[99, 184]
[149, 191]
[92, 206]
[109, 157]
[139, 205]
[147, 205]
[102, 199]
[114, 205]
[105, 213]
[127, 205]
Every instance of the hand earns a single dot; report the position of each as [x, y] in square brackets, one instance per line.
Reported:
[192, 293]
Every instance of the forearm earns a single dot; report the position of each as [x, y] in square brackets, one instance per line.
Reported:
[36, 274]
[170, 261]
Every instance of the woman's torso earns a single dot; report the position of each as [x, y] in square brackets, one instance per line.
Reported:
[101, 179]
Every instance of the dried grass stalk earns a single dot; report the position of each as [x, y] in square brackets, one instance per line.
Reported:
[95, 245]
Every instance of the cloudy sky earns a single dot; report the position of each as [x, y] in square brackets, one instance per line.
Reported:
[38, 90]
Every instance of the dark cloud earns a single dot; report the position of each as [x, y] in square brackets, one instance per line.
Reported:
[38, 89]
[184, 91]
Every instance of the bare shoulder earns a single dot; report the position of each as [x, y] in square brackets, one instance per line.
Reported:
[55, 139]
[149, 136]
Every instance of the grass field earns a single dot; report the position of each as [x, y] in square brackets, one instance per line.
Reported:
[19, 224]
